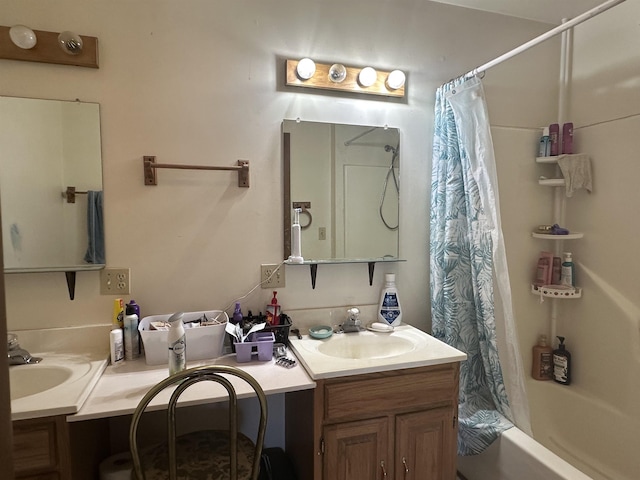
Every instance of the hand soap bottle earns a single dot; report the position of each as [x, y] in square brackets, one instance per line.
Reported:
[562, 364]
[542, 365]
[389, 310]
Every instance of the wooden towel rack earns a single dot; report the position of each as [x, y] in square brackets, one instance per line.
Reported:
[70, 194]
[150, 165]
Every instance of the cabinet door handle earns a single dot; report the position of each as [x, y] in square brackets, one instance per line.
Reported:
[406, 468]
[384, 470]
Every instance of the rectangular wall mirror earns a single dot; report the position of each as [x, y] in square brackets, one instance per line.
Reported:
[47, 146]
[346, 179]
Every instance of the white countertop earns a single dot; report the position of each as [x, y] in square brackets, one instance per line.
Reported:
[427, 351]
[121, 388]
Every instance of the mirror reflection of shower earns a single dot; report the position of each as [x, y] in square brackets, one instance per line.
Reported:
[396, 183]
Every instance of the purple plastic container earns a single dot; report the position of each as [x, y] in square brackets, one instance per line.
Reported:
[260, 343]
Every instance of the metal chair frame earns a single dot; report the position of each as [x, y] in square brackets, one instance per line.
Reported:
[184, 380]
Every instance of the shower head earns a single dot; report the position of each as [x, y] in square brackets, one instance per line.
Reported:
[389, 148]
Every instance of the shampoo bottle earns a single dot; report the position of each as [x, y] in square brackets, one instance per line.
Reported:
[389, 310]
[568, 271]
[562, 364]
[567, 138]
[542, 366]
[177, 344]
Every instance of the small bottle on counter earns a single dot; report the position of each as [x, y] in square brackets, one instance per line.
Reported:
[273, 311]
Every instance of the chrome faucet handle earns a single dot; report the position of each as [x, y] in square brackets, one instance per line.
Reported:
[12, 341]
[354, 314]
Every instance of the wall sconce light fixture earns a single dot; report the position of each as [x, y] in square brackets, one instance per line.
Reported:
[307, 73]
[66, 48]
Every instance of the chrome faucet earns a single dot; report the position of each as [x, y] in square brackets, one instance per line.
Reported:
[352, 324]
[17, 355]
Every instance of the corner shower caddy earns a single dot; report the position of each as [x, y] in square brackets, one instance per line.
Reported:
[556, 183]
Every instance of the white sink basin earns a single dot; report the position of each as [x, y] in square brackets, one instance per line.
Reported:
[28, 380]
[367, 352]
[350, 345]
[58, 385]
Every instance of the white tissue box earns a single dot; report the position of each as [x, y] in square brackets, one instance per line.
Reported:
[202, 342]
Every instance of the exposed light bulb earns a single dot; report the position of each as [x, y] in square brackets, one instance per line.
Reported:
[367, 76]
[395, 80]
[337, 73]
[306, 68]
[70, 43]
[23, 37]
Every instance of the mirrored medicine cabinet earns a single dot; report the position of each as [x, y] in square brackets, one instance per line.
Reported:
[50, 169]
[346, 181]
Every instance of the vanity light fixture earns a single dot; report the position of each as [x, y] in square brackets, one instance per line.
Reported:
[367, 76]
[23, 37]
[396, 80]
[336, 76]
[337, 73]
[70, 43]
[66, 48]
[306, 68]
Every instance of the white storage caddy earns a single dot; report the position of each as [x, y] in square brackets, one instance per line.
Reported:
[202, 342]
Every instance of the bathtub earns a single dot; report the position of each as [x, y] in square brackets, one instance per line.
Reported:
[516, 456]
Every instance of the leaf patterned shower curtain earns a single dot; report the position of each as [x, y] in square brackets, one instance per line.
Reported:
[466, 248]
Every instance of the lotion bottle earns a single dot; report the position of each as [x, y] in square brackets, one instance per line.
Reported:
[389, 310]
[562, 364]
[177, 344]
[542, 365]
[544, 148]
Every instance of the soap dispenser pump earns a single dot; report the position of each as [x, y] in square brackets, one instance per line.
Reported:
[562, 363]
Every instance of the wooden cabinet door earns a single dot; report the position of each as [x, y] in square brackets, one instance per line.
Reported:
[357, 450]
[426, 445]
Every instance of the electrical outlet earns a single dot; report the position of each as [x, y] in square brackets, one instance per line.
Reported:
[269, 279]
[115, 281]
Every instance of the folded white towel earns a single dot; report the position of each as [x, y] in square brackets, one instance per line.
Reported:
[576, 170]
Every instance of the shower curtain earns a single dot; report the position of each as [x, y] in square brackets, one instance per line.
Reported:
[468, 266]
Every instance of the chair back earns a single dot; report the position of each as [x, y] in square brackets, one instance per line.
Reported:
[183, 380]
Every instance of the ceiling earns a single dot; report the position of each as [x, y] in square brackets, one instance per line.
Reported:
[547, 11]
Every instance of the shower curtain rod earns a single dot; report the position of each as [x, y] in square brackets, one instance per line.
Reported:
[349, 142]
[545, 36]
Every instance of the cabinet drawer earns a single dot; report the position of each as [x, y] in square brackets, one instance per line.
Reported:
[390, 392]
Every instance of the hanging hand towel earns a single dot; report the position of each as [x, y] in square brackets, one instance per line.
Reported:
[576, 170]
[95, 229]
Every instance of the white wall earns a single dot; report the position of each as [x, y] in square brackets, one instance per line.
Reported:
[202, 82]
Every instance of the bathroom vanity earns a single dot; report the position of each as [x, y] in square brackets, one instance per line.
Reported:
[375, 414]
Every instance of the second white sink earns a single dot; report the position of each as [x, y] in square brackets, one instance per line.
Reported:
[367, 352]
[366, 346]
